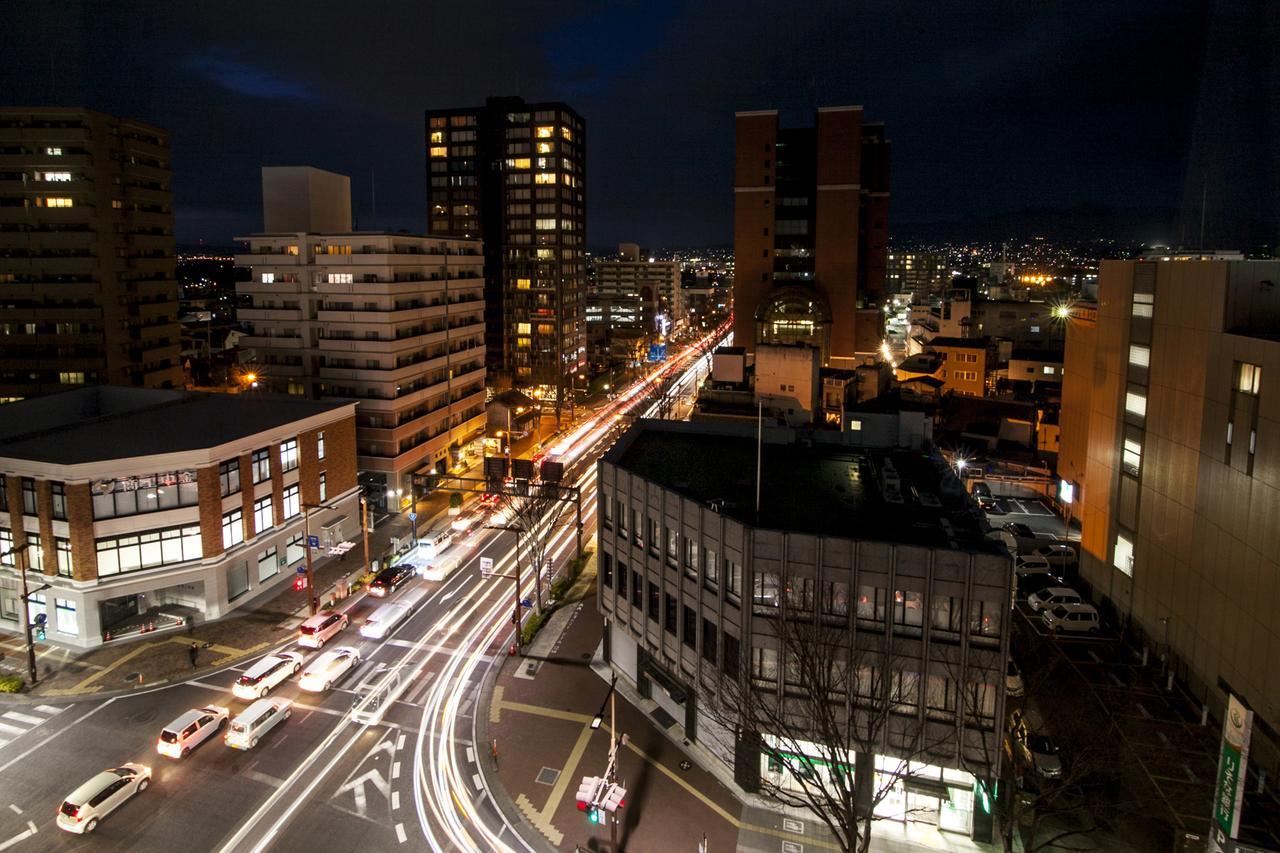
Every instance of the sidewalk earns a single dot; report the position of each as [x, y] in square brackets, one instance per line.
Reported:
[160, 658]
[540, 708]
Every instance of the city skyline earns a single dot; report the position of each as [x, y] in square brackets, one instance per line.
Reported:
[1120, 106]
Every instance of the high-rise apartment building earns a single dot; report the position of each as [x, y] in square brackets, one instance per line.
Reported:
[1170, 458]
[514, 175]
[86, 253]
[394, 322]
[917, 272]
[632, 297]
[810, 233]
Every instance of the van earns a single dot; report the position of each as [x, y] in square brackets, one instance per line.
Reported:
[255, 721]
[317, 630]
[435, 540]
[383, 620]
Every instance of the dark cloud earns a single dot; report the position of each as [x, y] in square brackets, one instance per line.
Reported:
[991, 106]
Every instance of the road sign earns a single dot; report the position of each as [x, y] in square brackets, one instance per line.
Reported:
[486, 565]
[313, 541]
[302, 570]
[1233, 760]
[526, 602]
[413, 516]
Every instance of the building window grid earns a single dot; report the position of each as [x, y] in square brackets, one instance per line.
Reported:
[123, 554]
[58, 492]
[232, 528]
[289, 455]
[262, 516]
[28, 496]
[63, 547]
[260, 463]
[138, 501]
[291, 503]
[229, 477]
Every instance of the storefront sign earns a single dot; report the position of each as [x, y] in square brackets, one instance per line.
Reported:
[1228, 797]
[148, 481]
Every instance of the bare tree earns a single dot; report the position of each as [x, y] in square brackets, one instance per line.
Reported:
[537, 511]
[843, 699]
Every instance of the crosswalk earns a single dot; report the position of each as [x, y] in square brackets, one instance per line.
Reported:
[14, 724]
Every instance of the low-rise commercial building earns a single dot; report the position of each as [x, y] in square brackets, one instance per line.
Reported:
[880, 546]
[156, 507]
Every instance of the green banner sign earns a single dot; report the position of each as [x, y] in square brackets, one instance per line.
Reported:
[1228, 796]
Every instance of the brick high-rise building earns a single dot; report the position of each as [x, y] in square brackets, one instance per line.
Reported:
[513, 174]
[86, 253]
[810, 232]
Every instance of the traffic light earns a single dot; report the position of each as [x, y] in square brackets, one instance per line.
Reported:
[595, 815]
[614, 798]
[300, 583]
[589, 793]
[40, 634]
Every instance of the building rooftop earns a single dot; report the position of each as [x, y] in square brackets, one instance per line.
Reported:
[824, 489]
[104, 422]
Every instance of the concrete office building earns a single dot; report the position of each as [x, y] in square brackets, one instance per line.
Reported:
[633, 299]
[810, 233]
[696, 586]
[148, 507]
[514, 175]
[86, 253]
[917, 272]
[1170, 458]
[391, 321]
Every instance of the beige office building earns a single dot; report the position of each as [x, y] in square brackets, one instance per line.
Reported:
[394, 322]
[1170, 458]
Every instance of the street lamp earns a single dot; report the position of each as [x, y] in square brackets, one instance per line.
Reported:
[20, 551]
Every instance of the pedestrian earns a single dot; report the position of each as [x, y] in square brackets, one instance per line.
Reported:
[193, 652]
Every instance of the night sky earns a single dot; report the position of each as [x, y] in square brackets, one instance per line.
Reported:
[992, 107]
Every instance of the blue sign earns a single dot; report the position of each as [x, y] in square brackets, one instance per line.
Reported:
[302, 570]
[313, 541]
[657, 352]
[526, 602]
[413, 516]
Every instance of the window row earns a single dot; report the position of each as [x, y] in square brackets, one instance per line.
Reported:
[148, 550]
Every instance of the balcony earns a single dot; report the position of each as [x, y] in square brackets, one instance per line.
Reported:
[252, 315]
[270, 343]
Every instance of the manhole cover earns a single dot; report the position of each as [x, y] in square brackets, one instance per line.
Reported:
[685, 764]
[548, 776]
[586, 655]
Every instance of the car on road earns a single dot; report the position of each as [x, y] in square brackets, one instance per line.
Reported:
[381, 621]
[466, 524]
[255, 721]
[1013, 683]
[1072, 619]
[1031, 565]
[258, 679]
[190, 730]
[319, 629]
[1052, 596]
[322, 672]
[390, 579]
[1038, 751]
[1019, 530]
[100, 796]
[1058, 554]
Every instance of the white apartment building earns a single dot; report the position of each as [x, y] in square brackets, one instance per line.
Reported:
[394, 322]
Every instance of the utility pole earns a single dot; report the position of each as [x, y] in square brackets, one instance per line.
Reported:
[364, 529]
[515, 618]
[19, 552]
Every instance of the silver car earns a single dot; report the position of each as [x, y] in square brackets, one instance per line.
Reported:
[100, 796]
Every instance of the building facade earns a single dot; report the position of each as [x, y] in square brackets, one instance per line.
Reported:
[810, 233]
[917, 272]
[696, 587]
[157, 508]
[965, 364]
[86, 253]
[394, 322]
[1170, 458]
[514, 175]
[634, 299]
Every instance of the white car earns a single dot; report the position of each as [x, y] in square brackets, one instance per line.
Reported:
[100, 796]
[258, 679]
[319, 629]
[322, 672]
[381, 621]
[254, 722]
[1057, 554]
[1031, 565]
[1072, 619]
[190, 730]
[1051, 597]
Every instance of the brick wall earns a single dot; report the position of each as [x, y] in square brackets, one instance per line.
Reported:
[84, 554]
[44, 511]
[246, 495]
[14, 486]
[277, 485]
[339, 462]
[209, 488]
[308, 467]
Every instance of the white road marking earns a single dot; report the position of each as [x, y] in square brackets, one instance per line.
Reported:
[400, 834]
[475, 780]
[15, 808]
[395, 800]
[50, 709]
[395, 770]
[81, 718]
[471, 755]
[24, 718]
[266, 779]
[22, 836]
[14, 730]
[400, 742]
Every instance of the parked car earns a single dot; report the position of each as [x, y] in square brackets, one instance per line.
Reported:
[1013, 684]
[1038, 751]
[318, 630]
[1058, 554]
[255, 721]
[190, 730]
[990, 505]
[1072, 619]
[327, 668]
[258, 679]
[100, 796]
[1031, 565]
[1019, 530]
[390, 579]
[1030, 583]
[1052, 596]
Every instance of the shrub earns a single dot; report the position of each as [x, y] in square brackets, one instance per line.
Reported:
[455, 500]
[11, 684]
[532, 626]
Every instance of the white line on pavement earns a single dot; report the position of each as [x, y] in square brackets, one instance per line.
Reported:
[395, 770]
[13, 730]
[395, 800]
[400, 742]
[49, 709]
[15, 808]
[24, 718]
[475, 780]
[22, 836]
[400, 834]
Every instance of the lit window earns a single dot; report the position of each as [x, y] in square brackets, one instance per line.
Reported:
[855, 426]
[545, 147]
[1143, 304]
[1132, 456]
[1123, 558]
[53, 152]
[1249, 379]
[54, 176]
[116, 203]
[75, 377]
[523, 329]
[545, 178]
[439, 151]
[522, 284]
[546, 254]
[289, 455]
[1135, 404]
[324, 487]
[1139, 356]
[564, 131]
[518, 163]
[1048, 370]
[1035, 330]
[545, 224]
[268, 278]
[522, 343]
[57, 201]
[291, 250]
[341, 278]
[437, 136]
[545, 131]
[320, 445]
